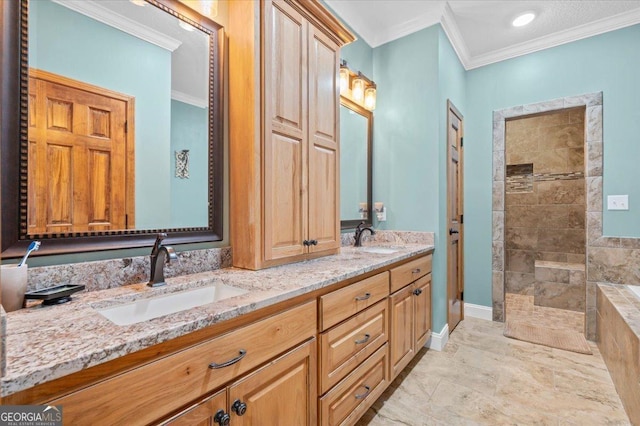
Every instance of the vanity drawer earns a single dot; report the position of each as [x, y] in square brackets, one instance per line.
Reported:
[345, 346]
[341, 304]
[409, 272]
[149, 392]
[346, 402]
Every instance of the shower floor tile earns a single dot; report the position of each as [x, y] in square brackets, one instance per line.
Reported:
[521, 308]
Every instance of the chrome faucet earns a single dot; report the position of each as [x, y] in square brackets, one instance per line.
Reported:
[159, 255]
[359, 230]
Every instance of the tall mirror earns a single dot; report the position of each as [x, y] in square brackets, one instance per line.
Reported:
[120, 126]
[356, 126]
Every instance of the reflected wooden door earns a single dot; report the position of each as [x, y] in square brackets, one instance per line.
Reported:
[80, 159]
[455, 227]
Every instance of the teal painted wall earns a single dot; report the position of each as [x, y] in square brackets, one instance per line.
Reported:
[68, 43]
[608, 63]
[189, 197]
[406, 149]
[359, 57]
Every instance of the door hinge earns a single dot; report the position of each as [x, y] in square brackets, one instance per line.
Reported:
[462, 295]
[126, 127]
[461, 219]
[462, 141]
[126, 221]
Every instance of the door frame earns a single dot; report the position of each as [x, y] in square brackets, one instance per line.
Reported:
[451, 109]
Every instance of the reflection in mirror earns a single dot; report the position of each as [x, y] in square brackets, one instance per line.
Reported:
[356, 124]
[122, 131]
[114, 90]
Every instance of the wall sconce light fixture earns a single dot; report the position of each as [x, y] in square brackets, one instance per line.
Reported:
[380, 210]
[363, 211]
[357, 87]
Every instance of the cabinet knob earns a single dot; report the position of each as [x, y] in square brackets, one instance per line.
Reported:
[314, 242]
[417, 292]
[239, 407]
[222, 418]
[305, 243]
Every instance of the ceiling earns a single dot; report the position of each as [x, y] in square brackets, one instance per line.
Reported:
[480, 30]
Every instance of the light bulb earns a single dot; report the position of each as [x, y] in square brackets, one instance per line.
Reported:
[344, 80]
[524, 19]
[370, 98]
[357, 90]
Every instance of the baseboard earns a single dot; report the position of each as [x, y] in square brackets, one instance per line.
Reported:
[478, 311]
[438, 340]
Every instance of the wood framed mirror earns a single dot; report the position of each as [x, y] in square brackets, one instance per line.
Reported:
[356, 157]
[110, 136]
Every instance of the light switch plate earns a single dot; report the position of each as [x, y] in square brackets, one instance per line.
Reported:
[617, 202]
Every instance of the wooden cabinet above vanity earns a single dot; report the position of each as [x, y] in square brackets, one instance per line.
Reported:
[284, 135]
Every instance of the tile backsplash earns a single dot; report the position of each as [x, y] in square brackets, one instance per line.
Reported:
[104, 274]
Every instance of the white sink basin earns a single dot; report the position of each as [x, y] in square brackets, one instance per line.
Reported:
[378, 250]
[154, 307]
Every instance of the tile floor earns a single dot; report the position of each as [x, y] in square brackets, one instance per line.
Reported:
[520, 307]
[484, 378]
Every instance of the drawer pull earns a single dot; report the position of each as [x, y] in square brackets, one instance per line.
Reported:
[365, 340]
[365, 297]
[363, 395]
[416, 271]
[213, 365]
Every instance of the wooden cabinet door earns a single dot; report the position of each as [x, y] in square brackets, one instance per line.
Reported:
[324, 161]
[286, 139]
[401, 333]
[422, 311]
[203, 413]
[282, 392]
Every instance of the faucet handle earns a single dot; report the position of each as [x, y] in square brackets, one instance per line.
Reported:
[156, 246]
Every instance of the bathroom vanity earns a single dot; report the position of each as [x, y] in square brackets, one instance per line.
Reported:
[316, 341]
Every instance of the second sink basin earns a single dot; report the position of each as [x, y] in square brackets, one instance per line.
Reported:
[154, 307]
[378, 250]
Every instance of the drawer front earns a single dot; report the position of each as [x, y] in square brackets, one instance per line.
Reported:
[149, 392]
[346, 402]
[341, 304]
[345, 346]
[409, 272]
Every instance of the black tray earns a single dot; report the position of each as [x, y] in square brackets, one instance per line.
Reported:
[55, 295]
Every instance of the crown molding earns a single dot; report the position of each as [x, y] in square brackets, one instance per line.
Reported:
[448, 23]
[591, 29]
[189, 99]
[100, 13]
[401, 30]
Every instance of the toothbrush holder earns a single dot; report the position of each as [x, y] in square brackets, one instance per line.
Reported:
[13, 284]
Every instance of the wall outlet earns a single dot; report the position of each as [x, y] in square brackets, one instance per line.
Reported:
[617, 202]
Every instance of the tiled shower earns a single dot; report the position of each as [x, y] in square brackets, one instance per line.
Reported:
[545, 236]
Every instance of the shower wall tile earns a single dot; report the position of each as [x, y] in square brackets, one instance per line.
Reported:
[560, 295]
[497, 288]
[576, 258]
[544, 106]
[521, 238]
[519, 283]
[594, 123]
[552, 274]
[561, 192]
[498, 135]
[552, 256]
[576, 116]
[594, 194]
[498, 195]
[561, 240]
[521, 217]
[498, 256]
[525, 198]
[613, 265]
[498, 165]
[594, 159]
[498, 226]
[520, 260]
[590, 99]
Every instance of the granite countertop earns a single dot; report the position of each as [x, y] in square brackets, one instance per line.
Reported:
[46, 343]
